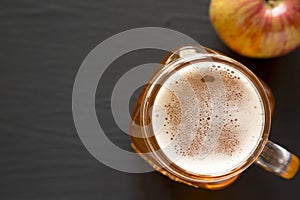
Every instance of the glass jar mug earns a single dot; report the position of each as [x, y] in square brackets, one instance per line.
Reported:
[203, 118]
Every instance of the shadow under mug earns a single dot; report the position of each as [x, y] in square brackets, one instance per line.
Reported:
[267, 154]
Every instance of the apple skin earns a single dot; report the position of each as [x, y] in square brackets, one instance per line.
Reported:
[257, 28]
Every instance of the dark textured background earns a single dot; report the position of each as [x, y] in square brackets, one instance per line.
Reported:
[42, 46]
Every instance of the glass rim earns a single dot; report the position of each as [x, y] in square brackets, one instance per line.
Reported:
[169, 68]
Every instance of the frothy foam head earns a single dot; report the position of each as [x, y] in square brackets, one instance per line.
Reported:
[208, 118]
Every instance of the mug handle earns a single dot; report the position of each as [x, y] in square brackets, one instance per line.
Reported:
[275, 158]
[278, 161]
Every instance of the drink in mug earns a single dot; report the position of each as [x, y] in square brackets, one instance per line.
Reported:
[202, 130]
[204, 118]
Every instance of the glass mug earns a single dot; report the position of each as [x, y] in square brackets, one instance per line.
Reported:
[148, 136]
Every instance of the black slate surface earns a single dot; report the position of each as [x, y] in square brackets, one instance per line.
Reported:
[43, 43]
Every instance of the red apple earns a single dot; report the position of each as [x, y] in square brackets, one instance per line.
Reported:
[257, 28]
